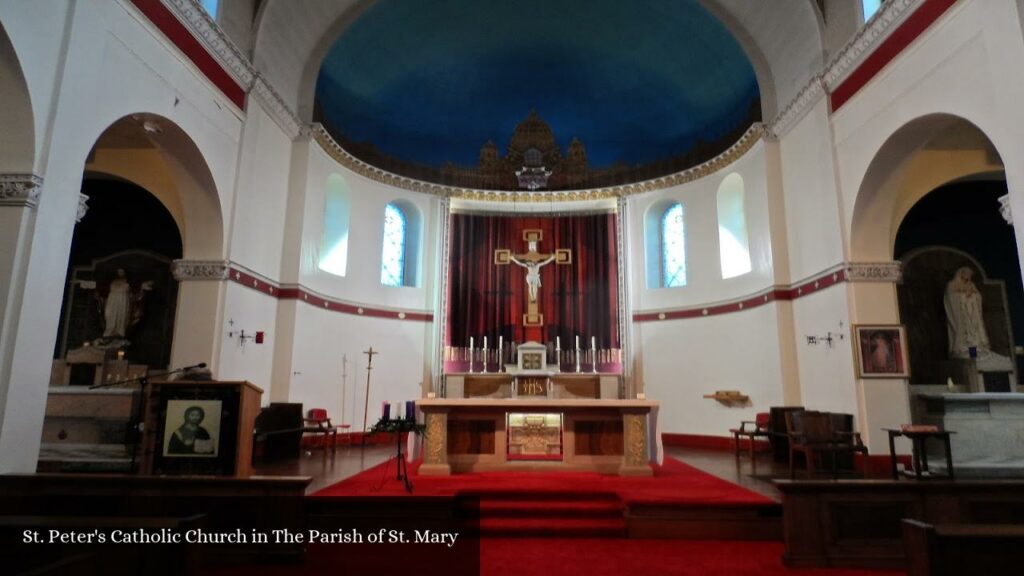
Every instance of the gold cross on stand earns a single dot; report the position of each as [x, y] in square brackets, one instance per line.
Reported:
[532, 261]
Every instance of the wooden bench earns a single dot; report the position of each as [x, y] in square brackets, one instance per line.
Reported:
[949, 549]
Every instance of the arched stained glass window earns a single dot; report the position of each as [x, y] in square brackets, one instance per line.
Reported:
[870, 7]
[733, 245]
[392, 269]
[673, 247]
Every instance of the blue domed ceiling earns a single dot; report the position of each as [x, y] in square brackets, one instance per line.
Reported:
[428, 82]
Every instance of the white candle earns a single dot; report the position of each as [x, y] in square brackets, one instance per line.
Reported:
[593, 342]
[558, 342]
[577, 341]
[471, 343]
[485, 342]
[501, 341]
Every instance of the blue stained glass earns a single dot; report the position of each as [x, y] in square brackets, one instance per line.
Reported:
[870, 7]
[673, 247]
[211, 7]
[392, 269]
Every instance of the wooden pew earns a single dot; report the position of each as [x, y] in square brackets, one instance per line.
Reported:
[952, 549]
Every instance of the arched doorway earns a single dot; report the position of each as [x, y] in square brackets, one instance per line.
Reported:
[921, 156]
[155, 154]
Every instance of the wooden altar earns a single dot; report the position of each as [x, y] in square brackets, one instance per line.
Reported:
[473, 434]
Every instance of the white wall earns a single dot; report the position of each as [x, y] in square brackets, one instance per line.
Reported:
[704, 275]
[325, 338]
[361, 283]
[685, 359]
[105, 65]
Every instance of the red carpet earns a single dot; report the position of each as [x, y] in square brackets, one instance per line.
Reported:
[569, 557]
[558, 504]
[673, 483]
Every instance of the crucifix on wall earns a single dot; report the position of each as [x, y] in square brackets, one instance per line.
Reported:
[532, 261]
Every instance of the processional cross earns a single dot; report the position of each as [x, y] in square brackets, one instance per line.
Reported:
[532, 261]
[366, 404]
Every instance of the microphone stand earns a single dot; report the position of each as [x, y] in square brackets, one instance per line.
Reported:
[138, 420]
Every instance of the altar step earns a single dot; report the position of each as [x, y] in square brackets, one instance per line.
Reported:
[511, 514]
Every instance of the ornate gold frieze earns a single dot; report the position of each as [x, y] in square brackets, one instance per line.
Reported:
[753, 135]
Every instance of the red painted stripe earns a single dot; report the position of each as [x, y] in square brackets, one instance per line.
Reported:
[180, 36]
[250, 281]
[783, 294]
[891, 47]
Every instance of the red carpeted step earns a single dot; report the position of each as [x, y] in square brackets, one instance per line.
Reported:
[562, 514]
[553, 527]
[549, 508]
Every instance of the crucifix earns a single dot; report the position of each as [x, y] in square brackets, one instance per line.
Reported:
[366, 406]
[532, 261]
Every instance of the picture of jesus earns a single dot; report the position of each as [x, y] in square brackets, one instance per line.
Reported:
[881, 351]
[192, 428]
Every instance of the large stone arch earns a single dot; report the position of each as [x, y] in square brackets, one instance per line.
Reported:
[920, 156]
[155, 153]
[17, 135]
[158, 155]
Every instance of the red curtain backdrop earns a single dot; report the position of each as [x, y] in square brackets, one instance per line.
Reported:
[579, 299]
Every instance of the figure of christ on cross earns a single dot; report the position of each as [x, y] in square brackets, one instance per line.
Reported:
[532, 268]
[532, 261]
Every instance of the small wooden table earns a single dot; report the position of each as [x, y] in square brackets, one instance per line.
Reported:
[920, 455]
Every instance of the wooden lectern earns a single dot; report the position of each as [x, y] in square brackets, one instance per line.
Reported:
[200, 428]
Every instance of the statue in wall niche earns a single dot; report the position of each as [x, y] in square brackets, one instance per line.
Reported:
[965, 323]
[122, 309]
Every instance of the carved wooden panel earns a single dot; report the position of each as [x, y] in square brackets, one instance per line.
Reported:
[598, 438]
[471, 436]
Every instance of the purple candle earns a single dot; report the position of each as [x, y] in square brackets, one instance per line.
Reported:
[410, 410]
[385, 411]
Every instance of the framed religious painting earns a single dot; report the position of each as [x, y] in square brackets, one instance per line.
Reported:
[880, 351]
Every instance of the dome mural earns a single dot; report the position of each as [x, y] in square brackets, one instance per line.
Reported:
[468, 93]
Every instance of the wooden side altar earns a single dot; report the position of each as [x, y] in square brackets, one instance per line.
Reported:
[486, 434]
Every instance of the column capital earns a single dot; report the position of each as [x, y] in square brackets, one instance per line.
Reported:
[1004, 209]
[200, 270]
[20, 190]
[873, 271]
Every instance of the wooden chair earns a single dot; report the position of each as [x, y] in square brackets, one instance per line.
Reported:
[751, 429]
[317, 422]
[812, 434]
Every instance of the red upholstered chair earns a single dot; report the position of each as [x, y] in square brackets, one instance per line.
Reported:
[758, 428]
[317, 422]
